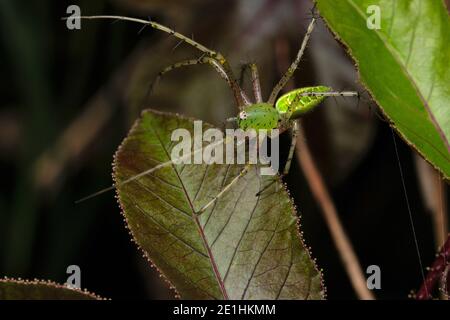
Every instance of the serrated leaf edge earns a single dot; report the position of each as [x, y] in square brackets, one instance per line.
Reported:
[51, 284]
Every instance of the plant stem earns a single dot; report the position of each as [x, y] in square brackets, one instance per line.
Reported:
[343, 245]
[434, 198]
[437, 270]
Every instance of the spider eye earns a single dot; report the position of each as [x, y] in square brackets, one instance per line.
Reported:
[243, 115]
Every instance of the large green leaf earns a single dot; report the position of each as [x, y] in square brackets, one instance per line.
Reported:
[243, 247]
[11, 289]
[405, 65]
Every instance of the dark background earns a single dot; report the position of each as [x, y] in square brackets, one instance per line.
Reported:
[68, 98]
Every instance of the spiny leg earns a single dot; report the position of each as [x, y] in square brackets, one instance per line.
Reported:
[284, 80]
[166, 70]
[225, 189]
[210, 53]
[335, 94]
[330, 94]
[204, 60]
[242, 73]
[160, 27]
[287, 166]
[256, 83]
[181, 159]
[295, 132]
[241, 174]
[305, 97]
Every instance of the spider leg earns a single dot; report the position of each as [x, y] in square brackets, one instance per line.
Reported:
[284, 80]
[170, 163]
[287, 166]
[256, 83]
[177, 65]
[208, 52]
[313, 12]
[151, 170]
[241, 174]
[225, 189]
[295, 133]
[242, 73]
[332, 94]
[204, 60]
[160, 27]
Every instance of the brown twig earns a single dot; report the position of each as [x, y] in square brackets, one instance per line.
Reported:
[322, 196]
[434, 198]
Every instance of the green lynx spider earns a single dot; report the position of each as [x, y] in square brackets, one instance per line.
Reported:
[282, 113]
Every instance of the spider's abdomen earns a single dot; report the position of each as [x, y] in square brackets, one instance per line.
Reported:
[297, 103]
[258, 116]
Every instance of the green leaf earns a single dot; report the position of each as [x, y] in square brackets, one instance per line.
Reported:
[11, 289]
[405, 65]
[243, 247]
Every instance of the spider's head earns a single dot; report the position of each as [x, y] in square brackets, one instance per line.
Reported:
[258, 116]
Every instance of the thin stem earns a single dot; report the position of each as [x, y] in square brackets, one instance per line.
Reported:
[343, 244]
[436, 272]
[434, 198]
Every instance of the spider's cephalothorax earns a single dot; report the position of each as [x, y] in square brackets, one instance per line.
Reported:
[281, 113]
[258, 116]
